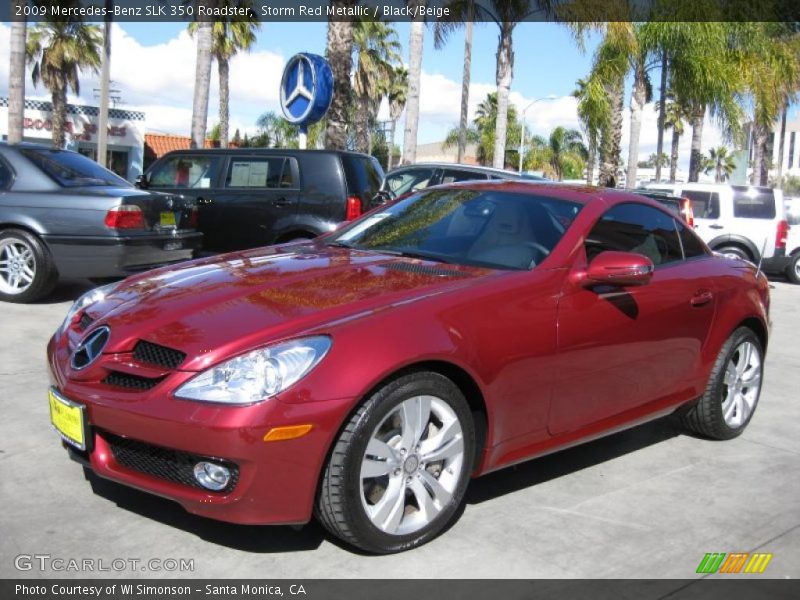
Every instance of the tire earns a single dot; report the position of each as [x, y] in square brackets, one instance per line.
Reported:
[716, 414]
[361, 491]
[793, 270]
[27, 272]
[735, 251]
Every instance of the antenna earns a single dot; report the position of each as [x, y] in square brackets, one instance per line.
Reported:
[761, 258]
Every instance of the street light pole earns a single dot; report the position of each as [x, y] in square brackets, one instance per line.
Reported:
[522, 137]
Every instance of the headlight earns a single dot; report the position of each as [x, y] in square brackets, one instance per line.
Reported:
[256, 376]
[89, 298]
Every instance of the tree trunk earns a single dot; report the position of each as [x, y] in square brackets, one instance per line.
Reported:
[638, 99]
[673, 159]
[415, 46]
[781, 147]
[339, 52]
[391, 144]
[759, 141]
[59, 98]
[590, 164]
[612, 136]
[362, 118]
[766, 159]
[505, 73]
[223, 69]
[661, 113]
[462, 123]
[16, 76]
[696, 158]
[202, 81]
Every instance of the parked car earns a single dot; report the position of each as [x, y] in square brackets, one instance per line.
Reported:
[63, 215]
[255, 197]
[365, 376]
[793, 239]
[681, 207]
[412, 178]
[746, 222]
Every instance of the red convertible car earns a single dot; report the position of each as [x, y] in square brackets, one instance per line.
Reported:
[364, 377]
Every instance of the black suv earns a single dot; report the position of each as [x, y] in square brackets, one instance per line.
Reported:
[255, 197]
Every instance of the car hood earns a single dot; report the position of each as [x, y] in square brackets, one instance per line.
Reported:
[217, 307]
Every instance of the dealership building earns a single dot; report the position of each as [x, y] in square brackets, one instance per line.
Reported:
[126, 130]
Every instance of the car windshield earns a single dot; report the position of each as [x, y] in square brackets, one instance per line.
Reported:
[492, 229]
[70, 169]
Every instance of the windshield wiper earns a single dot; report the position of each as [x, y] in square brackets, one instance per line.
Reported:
[415, 254]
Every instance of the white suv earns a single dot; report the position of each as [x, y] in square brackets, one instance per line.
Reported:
[793, 239]
[746, 222]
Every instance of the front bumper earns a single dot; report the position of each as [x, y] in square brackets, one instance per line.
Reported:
[277, 481]
[119, 256]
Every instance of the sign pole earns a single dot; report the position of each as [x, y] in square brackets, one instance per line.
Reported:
[303, 138]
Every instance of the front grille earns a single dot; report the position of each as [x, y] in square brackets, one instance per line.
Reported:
[132, 382]
[148, 352]
[423, 269]
[85, 321]
[172, 465]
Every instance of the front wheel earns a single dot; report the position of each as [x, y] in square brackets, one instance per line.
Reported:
[733, 389]
[734, 252]
[399, 470]
[793, 270]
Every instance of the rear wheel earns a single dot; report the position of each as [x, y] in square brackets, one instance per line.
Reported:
[400, 467]
[27, 272]
[793, 270]
[733, 389]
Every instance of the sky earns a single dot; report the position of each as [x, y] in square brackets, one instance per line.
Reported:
[153, 67]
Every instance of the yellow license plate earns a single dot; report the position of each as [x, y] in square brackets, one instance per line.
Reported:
[67, 418]
[168, 219]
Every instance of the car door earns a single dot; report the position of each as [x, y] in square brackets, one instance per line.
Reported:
[620, 348]
[257, 195]
[709, 222]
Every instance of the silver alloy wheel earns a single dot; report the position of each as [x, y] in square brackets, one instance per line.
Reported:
[742, 382]
[796, 267]
[412, 465]
[17, 266]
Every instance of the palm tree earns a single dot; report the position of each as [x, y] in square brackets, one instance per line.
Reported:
[16, 73]
[339, 52]
[376, 49]
[593, 111]
[415, 47]
[562, 152]
[276, 132]
[202, 81]
[397, 95]
[58, 52]
[675, 114]
[721, 162]
[485, 127]
[227, 39]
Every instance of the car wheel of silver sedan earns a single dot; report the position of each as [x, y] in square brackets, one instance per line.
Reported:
[733, 389]
[399, 470]
[26, 269]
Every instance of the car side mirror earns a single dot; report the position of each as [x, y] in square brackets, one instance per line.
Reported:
[618, 269]
[142, 182]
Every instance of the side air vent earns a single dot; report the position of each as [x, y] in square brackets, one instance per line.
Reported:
[148, 352]
[131, 382]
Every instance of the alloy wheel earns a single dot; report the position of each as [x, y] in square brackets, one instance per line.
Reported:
[742, 384]
[412, 465]
[17, 266]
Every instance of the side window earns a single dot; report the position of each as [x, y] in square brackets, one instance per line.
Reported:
[258, 172]
[185, 171]
[705, 205]
[6, 177]
[453, 175]
[753, 203]
[692, 246]
[636, 228]
[408, 181]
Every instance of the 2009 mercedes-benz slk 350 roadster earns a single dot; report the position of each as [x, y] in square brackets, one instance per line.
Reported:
[365, 376]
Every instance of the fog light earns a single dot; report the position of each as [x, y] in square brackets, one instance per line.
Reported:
[212, 476]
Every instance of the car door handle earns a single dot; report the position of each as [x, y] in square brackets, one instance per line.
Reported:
[280, 202]
[716, 227]
[701, 298]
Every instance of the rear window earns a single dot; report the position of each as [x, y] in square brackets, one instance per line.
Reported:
[705, 205]
[364, 175]
[70, 169]
[753, 203]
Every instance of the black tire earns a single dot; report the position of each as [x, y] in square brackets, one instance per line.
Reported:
[339, 504]
[45, 275]
[736, 251]
[706, 416]
[793, 270]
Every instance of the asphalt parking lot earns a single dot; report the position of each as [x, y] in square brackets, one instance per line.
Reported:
[647, 503]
